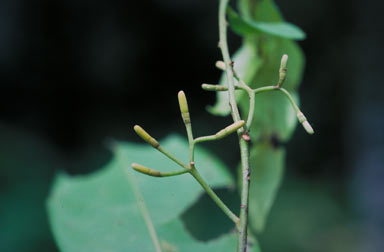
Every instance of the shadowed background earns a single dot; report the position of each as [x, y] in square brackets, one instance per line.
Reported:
[76, 73]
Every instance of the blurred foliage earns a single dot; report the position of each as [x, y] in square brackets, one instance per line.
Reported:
[101, 212]
[243, 26]
[309, 217]
[25, 177]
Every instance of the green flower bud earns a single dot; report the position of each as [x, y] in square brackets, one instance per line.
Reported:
[283, 70]
[303, 120]
[220, 65]
[230, 129]
[145, 136]
[184, 107]
[210, 87]
[145, 170]
[183, 102]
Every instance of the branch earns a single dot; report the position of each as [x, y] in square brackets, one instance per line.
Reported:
[244, 145]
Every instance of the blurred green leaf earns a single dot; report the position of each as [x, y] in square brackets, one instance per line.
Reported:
[267, 165]
[99, 212]
[312, 211]
[279, 29]
[238, 24]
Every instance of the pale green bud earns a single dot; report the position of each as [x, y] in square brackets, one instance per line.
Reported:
[220, 65]
[183, 102]
[230, 129]
[283, 70]
[303, 120]
[308, 127]
[145, 170]
[211, 87]
[145, 136]
[184, 107]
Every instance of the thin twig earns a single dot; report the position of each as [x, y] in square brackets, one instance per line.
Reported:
[251, 95]
[192, 168]
[244, 145]
[214, 196]
[227, 59]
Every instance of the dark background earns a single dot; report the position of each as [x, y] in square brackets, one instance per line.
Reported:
[75, 73]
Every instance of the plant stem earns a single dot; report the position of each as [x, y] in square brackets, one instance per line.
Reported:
[245, 179]
[244, 145]
[214, 196]
[174, 159]
[227, 59]
[290, 98]
[283, 90]
[190, 141]
[193, 171]
[251, 95]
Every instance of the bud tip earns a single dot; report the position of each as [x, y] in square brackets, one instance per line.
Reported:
[145, 136]
[284, 60]
[220, 65]
[308, 127]
[182, 102]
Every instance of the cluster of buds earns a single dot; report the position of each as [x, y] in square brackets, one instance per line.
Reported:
[183, 104]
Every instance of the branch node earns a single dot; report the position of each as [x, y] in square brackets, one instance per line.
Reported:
[246, 136]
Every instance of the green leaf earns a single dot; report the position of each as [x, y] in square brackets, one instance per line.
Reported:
[279, 29]
[266, 11]
[100, 212]
[267, 165]
[239, 25]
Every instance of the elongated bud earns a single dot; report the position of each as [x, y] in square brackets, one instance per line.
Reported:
[211, 87]
[230, 129]
[145, 136]
[220, 65]
[183, 102]
[303, 120]
[184, 107]
[145, 170]
[308, 127]
[283, 70]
